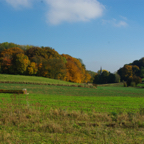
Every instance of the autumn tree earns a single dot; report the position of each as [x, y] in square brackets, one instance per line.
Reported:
[125, 72]
[73, 73]
[76, 71]
[32, 68]
[6, 59]
[135, 80]
[36, 51]
[53, 68]
[135, 70]
[92, 74]
[51, 53]
[21, 62]
[6, 45]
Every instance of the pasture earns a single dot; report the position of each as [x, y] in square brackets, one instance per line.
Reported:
[102, 99]
[34, 79]
[59, 114]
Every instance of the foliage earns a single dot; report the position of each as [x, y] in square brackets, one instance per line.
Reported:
[76, 71]
[132, 84]
[141, 72]
[32, 68]
[6, 60]
[21, 62]
[53, 68]
[125, 72]
[134, 79]
[104, 77]
[92, 74]
[125, 84]
[117, 78]
[41, 61]
[36, 51]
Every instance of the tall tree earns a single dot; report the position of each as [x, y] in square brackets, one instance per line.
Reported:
[21, 62]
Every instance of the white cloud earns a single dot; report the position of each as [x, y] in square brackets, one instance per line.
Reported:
[120, 24]
[19, 3]
[115, 23]
[59, 11]
[73, 10]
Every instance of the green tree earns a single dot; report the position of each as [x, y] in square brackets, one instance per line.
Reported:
[141, 72]
[21, 62]
[104, 77]
[117, 78]
[54, 68]
[111, 78]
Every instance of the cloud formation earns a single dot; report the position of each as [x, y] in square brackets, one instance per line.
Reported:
[115, 23]
[73, 10]
[59, 11]
[19, 3]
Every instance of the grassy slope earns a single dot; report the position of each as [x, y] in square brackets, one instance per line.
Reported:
[21, 78]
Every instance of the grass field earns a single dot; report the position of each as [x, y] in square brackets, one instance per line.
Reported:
[110, 114]
[102, 99]
[35, 79]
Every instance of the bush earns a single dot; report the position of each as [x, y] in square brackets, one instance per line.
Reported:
[133, 84]
[134, 79]
[125, 84]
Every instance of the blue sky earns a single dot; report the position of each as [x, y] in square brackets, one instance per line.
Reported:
[103, 33]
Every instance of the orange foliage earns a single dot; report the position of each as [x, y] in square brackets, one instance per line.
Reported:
[10, 52]
[6, 59]
[75, 71]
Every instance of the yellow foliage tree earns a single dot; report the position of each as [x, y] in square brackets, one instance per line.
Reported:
[32, 68]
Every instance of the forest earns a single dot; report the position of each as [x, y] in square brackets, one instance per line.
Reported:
[41, 61]
[47, 62]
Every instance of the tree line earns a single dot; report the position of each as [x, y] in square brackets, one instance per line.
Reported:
[130, 74]
[41, 61]
[46, 62]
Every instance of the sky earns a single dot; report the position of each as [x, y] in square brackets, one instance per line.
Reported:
[103, 33]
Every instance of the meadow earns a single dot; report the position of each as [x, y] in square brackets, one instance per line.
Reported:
[34, 79]
[109, 114]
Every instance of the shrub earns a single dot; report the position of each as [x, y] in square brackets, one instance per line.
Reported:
[125, 84]
[134, 79]
[132, 84]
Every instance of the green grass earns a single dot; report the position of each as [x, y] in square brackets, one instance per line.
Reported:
[35, 79]
[28, 123]
[102, 99]
[76, 91]
[87, 104]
